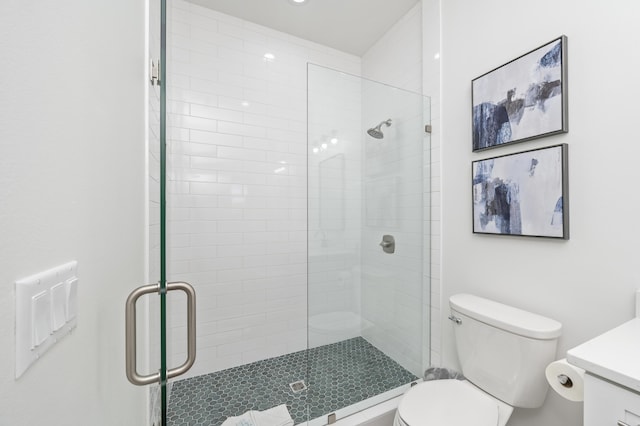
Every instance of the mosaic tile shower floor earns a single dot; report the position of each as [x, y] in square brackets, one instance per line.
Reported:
[338, 375]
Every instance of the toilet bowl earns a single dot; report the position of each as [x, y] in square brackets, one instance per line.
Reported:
[450, 403]
[503, 352]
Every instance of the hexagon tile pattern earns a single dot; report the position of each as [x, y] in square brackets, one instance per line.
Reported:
[337, 375]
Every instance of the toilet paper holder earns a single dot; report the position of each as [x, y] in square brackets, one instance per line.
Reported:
[565, 380]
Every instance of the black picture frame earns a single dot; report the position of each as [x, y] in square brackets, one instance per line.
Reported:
[524, 99]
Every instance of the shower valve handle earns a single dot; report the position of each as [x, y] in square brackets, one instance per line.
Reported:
[388, 244]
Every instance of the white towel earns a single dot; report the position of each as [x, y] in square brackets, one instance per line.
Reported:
[276, 416]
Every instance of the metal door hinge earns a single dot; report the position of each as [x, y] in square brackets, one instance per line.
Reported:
[427, 128]
[154, 73]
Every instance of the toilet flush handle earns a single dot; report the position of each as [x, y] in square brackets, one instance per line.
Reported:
[455, 319]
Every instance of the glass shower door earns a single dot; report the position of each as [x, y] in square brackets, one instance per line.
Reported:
[222, 234]
[367, 236]
[147, 363]
[145, 306]
[155, 140]
[177, 298]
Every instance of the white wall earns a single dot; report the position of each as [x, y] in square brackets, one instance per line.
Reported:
[238, 183]
[586, 283]
[72, 187]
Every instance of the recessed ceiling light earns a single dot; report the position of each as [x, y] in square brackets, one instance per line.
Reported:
[269, 57]
[298, 2]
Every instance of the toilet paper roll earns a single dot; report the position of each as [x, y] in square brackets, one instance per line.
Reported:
[567, 380]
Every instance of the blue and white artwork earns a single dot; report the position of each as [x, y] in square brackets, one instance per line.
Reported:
[522, 194]
[523, 99]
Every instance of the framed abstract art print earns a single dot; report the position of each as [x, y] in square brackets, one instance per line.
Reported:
[523, 99]
[523, 194]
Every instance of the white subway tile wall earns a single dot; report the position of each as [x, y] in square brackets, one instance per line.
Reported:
[237, 143]
[431, 85]
[396, 59]
[238, 191]
[397, 288]
[335, 203]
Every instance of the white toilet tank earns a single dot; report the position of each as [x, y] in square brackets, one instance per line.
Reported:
[504, 350]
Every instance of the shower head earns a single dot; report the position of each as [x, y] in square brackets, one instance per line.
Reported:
[375, 132]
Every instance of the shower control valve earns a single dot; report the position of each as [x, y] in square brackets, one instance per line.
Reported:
[388, 244]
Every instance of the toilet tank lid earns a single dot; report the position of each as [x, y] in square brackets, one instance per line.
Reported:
[505, 317]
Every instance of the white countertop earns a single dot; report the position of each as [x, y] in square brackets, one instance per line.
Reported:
[614, 355]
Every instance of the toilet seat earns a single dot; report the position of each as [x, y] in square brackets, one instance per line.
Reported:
[450, 403]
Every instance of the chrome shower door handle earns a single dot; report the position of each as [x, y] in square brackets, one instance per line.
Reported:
[131, 338]
[130, 333]
[191, 327]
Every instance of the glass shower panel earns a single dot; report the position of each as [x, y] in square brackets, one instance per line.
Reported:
[335, 201]
[367, 303]
[392, 283]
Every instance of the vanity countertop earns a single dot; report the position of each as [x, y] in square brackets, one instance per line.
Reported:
[614, 355]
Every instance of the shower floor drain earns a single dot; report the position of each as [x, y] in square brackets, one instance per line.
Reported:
[298, 386]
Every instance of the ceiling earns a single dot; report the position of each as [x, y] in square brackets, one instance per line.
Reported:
[351, 26]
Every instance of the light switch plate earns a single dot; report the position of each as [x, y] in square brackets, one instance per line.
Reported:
[41, 318]
[42, 314]
[71, 286]
[58, 306]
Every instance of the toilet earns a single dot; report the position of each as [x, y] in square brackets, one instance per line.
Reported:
[503, 352]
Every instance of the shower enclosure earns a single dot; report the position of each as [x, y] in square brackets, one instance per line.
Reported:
[290, 195]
